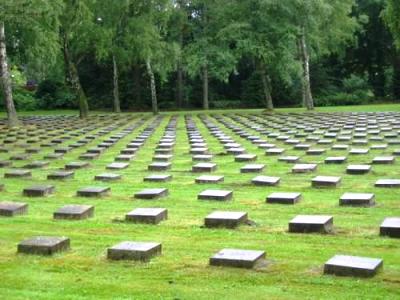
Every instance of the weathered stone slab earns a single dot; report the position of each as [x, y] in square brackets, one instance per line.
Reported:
[284, 198]
[142, 251]
[266, 180]
[202, 157]
[237, 258]
[60, 175]
[107, 177]
[74, 212]
[304, 168]
[204, 167]
[209, 179]
[274, 151]
[383, 160]
[159, 166]
[158, 178]
[388, 183]
[88, 156]
[44, 245]
[311, 223]
[5, 163]
[125, 157]
[117, 166]
[345, 265]
[94, 191]
[245, 157]
[325, 181]
[18, 174]
[39, 190]
[335, 159]
[289, 159]
[147, 215]
[357, 199]
[220, 195]
[229, 219]
[152, 193]
[390, 227]
[358, 169]
[11, 209]
[36, 165]
[76, 165]
[252, 168]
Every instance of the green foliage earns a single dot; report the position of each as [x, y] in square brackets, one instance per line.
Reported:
[25, 100]
[392, 18]
[53, 94]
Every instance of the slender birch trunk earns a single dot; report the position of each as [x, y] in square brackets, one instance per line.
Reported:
[205, 88]
[5, 78]
[154, 105]
[116, 104]
[306, 84]
[266, 82]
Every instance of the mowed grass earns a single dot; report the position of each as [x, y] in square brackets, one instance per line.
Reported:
[295, 261]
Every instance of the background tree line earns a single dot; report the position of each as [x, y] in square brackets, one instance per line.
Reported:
[179, 54]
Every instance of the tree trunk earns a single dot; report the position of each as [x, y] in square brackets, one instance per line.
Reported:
[75, 81]
[179, 87]
[266, 82]
[306, 84]
[205, 88]
[154, 105]
[12, 118]
[116, 106]
[136, 84]
[396, 76]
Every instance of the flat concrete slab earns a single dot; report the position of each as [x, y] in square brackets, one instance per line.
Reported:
[39, 190]
[252, 168]
[158, 178]
[220, 195]
[345, 265]
[11, 209]
[304, 168]
[107, 177]
[388, 183]
[44, 245]
[204, 167]
[390, 227]
[18, 174]
[311, 223]
[325, 181]
[358, 169]
[383, 160]
[237, 258]
[94, 191]
[266, 180]
[74, 212]
[117, 166]
[357, 199]
[202, 157]
[159, 166]
[132, 250]
[60, 175]
[228, 219]
[147, 215]
[335, 159]
[76, 165]
[209, 179]
[284, 198]
[152, 193]
[245, 157]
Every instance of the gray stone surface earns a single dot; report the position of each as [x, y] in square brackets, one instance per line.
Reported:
[151, 193]
[147, 215]
[383, 160]
[245, 157]
[252, 168]
[266, 180]
[311, 223]
[229, 219]
[158, 178]
[345, 265]
[117, 166]
[159, 166]
[74, 212]
[358, 169]
[94, 191]
[220, 195]
[44, 245]
[284, 198]
[325, 181]
[132, 250]
[209, 179]
[57, 175]
[107, 177]
[39, 190]
[304, 168]
[390, 227]
[388, 183]
[335, 159]
[357, 199]
[11, 209]
[76, 165]
[18, 174]
[204, 167]
[237, 258]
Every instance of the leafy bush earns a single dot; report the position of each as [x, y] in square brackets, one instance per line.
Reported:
[356, 90]
[25, 100]
[53, 94]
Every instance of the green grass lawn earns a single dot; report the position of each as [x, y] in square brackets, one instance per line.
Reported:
[295, 261]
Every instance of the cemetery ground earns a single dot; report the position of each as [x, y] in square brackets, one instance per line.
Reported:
[293, 268]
